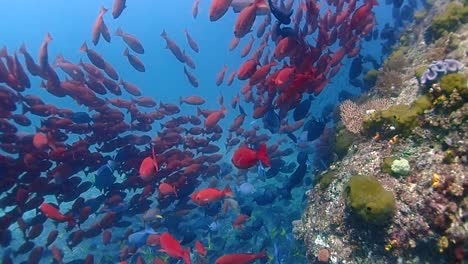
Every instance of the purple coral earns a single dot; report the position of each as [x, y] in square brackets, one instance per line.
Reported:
[438, 68]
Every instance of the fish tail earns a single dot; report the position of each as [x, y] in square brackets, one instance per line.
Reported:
[119, 32]
[84, 47]
[103, 10]
[48, 37]
[186, 256]
[3, 52]
[164, 34]
[180, 100]
[241, 110]
[227, 191]
[263, 156]
[22, 49]
[262, 254]
[125, 53]
[26, 108]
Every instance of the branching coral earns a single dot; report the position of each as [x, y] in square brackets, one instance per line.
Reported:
[353, 115]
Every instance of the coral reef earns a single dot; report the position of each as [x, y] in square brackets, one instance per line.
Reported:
[427, 126]
[438, 68]
[369, 200]
[450, 20]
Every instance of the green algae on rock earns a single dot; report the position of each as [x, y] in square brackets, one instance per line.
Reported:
[397, 119]
[453, 81]
[371, 78]
[343, 140]
[449, 21]
[387, 164]
[369, 200]
[326, 179]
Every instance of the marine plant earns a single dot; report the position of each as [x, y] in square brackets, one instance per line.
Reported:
[387, 164]
[371, 78]
[369, 200]
[453, 81]
[326, 179]
[450, 20]
[389, 83]
[396, 60]
[343, 140]
[397, 119]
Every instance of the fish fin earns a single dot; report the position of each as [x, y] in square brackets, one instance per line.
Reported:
[263, 156]
[292, 137]
[227, 191]
[155, 161]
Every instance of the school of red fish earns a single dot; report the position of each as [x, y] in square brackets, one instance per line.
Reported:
[170, 166]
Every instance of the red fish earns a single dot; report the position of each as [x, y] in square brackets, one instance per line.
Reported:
[172, 247]
[246, 19]
[240, 220]
[191, 77]
[98, 26]
[118, 7]
[166, 189]
[213, 118]
[218, 8]
[130, 40]
[134, 61]
[173, 47]
[245, 51]
[245, 157]
[53, 213]
[192, 43]
[195, 8]
[149, 166]
[220, 76]
[192, 100]
[241, 258]
[209, 195]
[200, 248]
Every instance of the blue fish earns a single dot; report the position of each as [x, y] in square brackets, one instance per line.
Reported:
[139, 238]
[81, 118]
[105, 176]
[271, 121]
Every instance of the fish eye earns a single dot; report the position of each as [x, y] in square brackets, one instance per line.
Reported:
[163, 166]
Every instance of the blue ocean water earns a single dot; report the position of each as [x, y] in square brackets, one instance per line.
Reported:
[70, 24]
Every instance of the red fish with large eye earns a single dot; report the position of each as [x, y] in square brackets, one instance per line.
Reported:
[209, 195]
[149, 166]
[172, 247]
[53, 213]
[245, 157]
